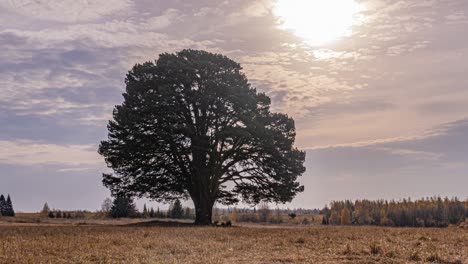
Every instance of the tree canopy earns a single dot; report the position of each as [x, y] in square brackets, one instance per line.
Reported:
[192, 126]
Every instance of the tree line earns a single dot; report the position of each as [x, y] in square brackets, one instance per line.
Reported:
[426, 212]
[123, 206]
[6, 206]
[55, 213]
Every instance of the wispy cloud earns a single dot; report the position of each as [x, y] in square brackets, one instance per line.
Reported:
[66, 10]
[29, 153]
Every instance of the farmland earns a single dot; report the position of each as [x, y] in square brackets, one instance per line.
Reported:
[135, 241]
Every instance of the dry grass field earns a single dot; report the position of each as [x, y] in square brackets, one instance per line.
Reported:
[138, 242]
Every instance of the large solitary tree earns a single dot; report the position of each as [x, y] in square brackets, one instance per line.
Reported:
[192, 126]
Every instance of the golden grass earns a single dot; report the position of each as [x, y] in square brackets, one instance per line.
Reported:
[44, 243]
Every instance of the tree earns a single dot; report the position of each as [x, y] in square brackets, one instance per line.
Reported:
[123, 207]
[9, 207]
[187, 213]
[176, 210]
[264, 211]
[152, 214]
[345, 216]
[324, 220]
[3, 205]
[159, 214]
[45, 210]
[106, 206]
[192, 126]
[145, 213]
[334, 218]
[429, 212]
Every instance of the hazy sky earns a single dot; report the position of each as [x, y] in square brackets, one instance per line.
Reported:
[382, 111]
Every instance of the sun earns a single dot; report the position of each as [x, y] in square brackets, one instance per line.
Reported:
[318, 22]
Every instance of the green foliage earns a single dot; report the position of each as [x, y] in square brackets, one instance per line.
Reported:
[190, 124]
[123, 207]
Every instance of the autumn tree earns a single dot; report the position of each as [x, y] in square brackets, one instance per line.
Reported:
[428, 212]
[345, 217]
[334, 218]
[192, 126]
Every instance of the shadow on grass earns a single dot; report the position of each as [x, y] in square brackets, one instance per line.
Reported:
[164, 223]
[170, 223]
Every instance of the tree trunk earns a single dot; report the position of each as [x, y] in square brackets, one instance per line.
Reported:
[203, 211]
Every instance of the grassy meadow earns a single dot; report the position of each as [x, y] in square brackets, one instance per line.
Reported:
[27, 240]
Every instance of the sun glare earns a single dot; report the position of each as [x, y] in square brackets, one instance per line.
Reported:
[318, 22]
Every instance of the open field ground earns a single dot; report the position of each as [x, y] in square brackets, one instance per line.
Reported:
[135, 242]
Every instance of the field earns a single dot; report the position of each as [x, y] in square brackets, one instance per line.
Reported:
[127, 241]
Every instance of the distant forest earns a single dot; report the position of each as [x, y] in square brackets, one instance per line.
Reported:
[428, 212]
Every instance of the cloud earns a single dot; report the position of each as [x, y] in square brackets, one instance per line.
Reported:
[458, 17]
[413, 153]
[29, 153]
[66, 10]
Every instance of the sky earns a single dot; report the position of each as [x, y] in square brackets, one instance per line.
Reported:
[381, 109]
